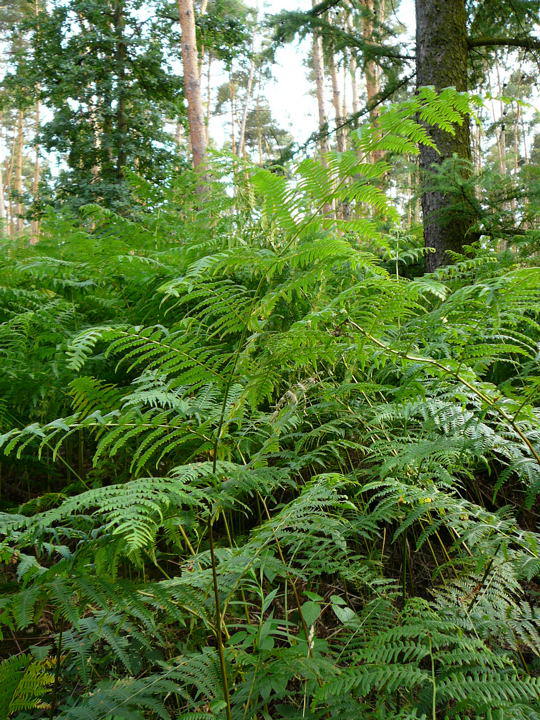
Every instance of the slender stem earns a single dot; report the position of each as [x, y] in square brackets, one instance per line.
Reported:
[56, 675]
[218, 620]
[433, 682]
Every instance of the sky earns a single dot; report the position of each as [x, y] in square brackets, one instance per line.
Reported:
[289, 94]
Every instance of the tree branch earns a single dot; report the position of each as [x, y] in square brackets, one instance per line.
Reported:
[529, 43]
[287, 24]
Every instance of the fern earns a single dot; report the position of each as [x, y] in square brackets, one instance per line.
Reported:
[248, 445]
[24, 681]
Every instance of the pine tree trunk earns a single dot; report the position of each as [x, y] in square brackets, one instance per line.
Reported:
[355, 93]
[345, 98]
[3, 214]
[259, 129]
[232, 97]
[517, 143]
[10, 162]
[34, 238]
[2, 200]
[249, 93]
[371, 71]
[192, 85]
[524, 136]
[336, 100]
[208, 97]
[18, 221]
[441, 61]
[35, 226]
[122, 124]
[318, 68]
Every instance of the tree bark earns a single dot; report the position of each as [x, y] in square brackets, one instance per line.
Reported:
[370, 70]
[318, 68]
[192, 85]
[355, 93]
[232, 98]
[121, 115]
[10, 163]
[245, 111]
[35, 227]
[441, 61]
[3, 213]
[344, 89]
[353, 70]
[208, 109]
[528, 43]
[34, 238]
[18, 221]
[336, 100]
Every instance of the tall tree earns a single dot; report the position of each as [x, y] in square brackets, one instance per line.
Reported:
[336, 97]
[36, 179]
[192, 82]
[263, 133]
[318, 69]
[249, 95]
[451, 36]
[18, 147]
[2, 186]
[101, 69]
[16, 103]
[371, 70]
[441, 61]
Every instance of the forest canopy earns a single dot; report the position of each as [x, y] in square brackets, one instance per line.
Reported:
[269, 389]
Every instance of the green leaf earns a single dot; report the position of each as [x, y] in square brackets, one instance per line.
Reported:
[310, 612]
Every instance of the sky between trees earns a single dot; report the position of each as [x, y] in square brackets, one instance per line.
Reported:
[290, 94]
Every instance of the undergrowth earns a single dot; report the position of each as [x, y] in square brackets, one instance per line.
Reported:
[253, 468]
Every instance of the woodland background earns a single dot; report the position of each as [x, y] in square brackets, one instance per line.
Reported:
[269, 424]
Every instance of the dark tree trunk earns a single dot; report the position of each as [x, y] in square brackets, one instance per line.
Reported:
[441, 61]
[122, 124]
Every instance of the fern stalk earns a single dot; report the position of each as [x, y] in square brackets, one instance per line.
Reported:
[435, 363]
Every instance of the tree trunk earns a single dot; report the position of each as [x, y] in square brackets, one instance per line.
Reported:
[318, 68]
[249, 93]
[35, 226]
[441, 61]
[517, 143]
[34, 238]
[232, 98]
[208, 97]
[2, 200]
[10, 162]
[372, 14]
[345, 107]
[3, 213]
[355, 93]
[18, 221]
[370, 70]
[192, 85]
[353, 70]
[121, 115]
[336, 99]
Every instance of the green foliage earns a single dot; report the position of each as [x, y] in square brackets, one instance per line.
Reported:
[252, 450]
[23, 682]
[103, 71]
